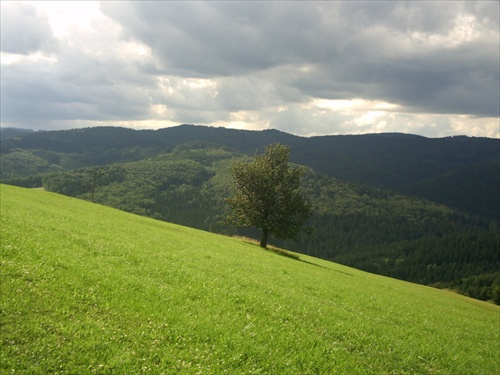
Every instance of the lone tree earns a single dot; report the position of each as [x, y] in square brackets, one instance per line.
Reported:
[268, 195]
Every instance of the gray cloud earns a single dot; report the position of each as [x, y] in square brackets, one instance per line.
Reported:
[75, 87]
[425, 56]
[202, 39]
[265, 64]
[24, 31]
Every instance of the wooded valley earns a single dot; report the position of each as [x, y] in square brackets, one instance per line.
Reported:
[418, 209]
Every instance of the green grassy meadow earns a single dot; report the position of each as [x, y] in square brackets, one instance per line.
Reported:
[87, 289]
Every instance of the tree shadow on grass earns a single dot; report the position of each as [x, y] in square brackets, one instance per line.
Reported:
[294, 256]
[288, 254]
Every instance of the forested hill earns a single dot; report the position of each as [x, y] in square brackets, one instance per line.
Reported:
[461, 172]
[182, 175]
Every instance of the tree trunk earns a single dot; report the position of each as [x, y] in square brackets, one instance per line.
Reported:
[263, 240]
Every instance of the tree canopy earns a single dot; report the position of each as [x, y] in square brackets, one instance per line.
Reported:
[268, 195]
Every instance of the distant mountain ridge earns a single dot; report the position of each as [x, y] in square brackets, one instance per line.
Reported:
[13, 132]
[438, 169]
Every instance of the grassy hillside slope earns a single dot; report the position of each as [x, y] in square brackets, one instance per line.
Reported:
[89, 289]
[374, 230]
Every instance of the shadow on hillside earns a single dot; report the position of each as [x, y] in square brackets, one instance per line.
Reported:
[288, 254]
[294, 256]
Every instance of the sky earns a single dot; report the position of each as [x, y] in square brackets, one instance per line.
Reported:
[306, 68]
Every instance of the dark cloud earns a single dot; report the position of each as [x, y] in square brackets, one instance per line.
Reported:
[422, 55]
[220, 38]
[24, 31]
[460, 81]
[73, 87]
[265, 64]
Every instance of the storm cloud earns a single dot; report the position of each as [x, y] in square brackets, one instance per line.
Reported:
[429, 68]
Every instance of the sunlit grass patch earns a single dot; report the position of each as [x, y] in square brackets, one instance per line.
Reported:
[88, 289]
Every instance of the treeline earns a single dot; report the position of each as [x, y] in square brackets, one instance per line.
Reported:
[368, 228]
[461, 172]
